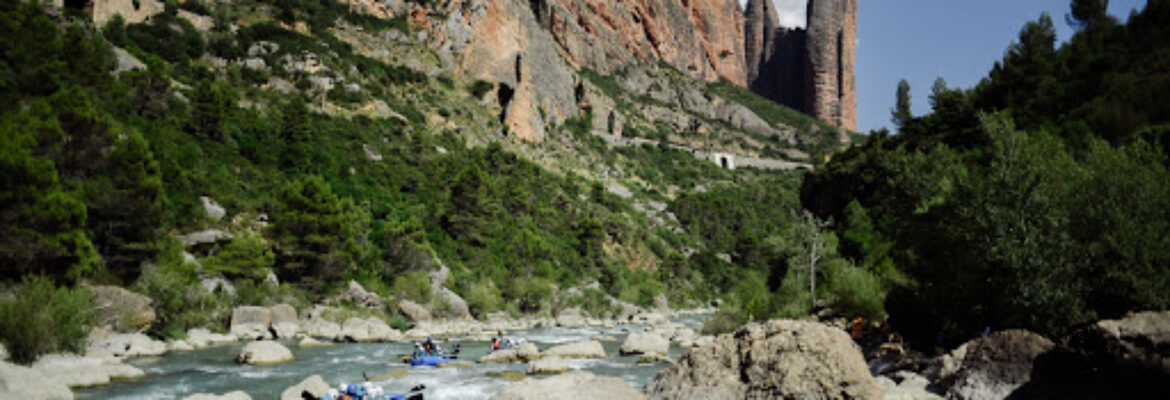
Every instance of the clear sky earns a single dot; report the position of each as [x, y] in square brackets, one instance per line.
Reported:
[921, 40]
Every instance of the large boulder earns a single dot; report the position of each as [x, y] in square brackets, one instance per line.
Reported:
[121, 309]
[314, 385]
[199, 338]
[573, 385]
[251, 323]
[571, 318]
[18, 382]
[645, 343]
[103, 343]
[1126, 358]
[779, 359]
[264, 352]
[995, 366]
[413, 311]
[357, 295]
[324, 330]
[368, 330]
[76, 371]
[548, 365]
[582, 349]
[451, 305]
[284, 321]
[905, 385]
[236, 395]
[523, 353]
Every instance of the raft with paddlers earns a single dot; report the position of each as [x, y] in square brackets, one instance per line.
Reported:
[365, 391]
[430, 354]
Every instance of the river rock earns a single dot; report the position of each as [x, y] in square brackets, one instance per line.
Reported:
[179, 345]
[413, 311]
[603, 338]
[645, 343]
[571, 318]
[647, 318]
[1126, 358]
[76, 371]
[779, 359]
[236, 395]
[315, 385]
[548, 365]
[310, 342]
[368, 330]
[4, 356]
[19, 382]
[264, 352]
[105, 344]
[325, 330]
[200, 338]
[121, 309]
[213, 210]
[572, 385]
[206, 236]
[251, 323]
[284, 321]
[995, 366]
[583, 349]
[910, 386]
[523, 353]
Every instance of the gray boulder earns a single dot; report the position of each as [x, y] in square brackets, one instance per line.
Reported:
[324, 330]
[264, 352]
[284, 321]
[413, 311]
[251, 323]
[548, 365]
[583, 349]
[908, 386]
[206, 236]
[571, 318]
[314, 385]
[358, 295]
[121, 309]
[573, 385]
[779, 359]
[368, 330]
[19, 382]
[995, 366]
[199, 338]
[77, 372]
[523, 353]
[106, 344]
[645, 343]
[236, 395]
[213, 210]
[213, 283]
[452, 306]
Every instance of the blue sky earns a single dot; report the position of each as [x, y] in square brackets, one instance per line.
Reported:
[921, 40]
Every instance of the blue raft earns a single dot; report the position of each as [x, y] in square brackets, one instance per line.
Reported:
[428, 361]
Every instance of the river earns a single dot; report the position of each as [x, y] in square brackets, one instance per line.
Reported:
[214, 370]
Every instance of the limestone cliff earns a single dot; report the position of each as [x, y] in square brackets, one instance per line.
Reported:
[703, 38]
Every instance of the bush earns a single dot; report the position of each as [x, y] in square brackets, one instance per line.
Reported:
[42, 319]
[482, 298]
[595, 303]
[179, 299]
[246, 256]
[414, 286]
[855, 291]
[532, 295]
[726, 320]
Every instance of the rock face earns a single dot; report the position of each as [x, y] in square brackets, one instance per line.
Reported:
[18, 382]
[121, 309]
[548, 365]
[645, 343]
[701, 38]
[811, 69]
[315, 385]
[585, 349]
[1127, 358]
[778, 359]
[994, 366]
[573, 385]
[264, 352]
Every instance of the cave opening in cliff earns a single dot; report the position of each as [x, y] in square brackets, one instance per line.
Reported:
[504, 96]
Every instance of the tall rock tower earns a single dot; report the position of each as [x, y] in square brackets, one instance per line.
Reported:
[809, 69]
[831, 48]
